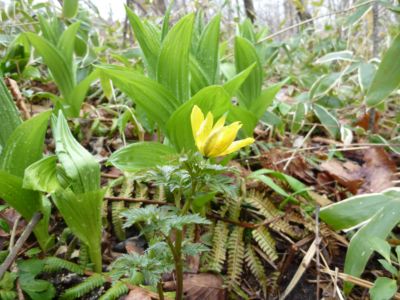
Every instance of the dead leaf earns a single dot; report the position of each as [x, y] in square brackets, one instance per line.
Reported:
[202, 286]
[377, 171]
[347, 174]
[138, 294]
[373, 176]
[363, 121]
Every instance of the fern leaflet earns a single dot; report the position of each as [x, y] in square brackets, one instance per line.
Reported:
[266, 242]
[235, 256]
[89, 284]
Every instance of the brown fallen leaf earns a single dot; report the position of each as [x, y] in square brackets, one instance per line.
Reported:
[378, 171]
[138, 294]
[363, 121]
[202, 286]
[347, 174]
[373, 176]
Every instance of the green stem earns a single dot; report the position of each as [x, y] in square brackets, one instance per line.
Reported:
[160, 290]
[95, 256]
[179, 265]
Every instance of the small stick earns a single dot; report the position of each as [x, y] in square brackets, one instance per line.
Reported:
[14, 252]
[136, 200]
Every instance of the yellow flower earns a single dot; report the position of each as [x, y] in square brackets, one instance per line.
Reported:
[214, 140]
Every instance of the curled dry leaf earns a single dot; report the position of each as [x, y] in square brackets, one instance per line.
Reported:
[202, 286]
[375, 175]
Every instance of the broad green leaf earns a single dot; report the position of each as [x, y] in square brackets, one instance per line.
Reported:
[165, 24]
[66, 42]
[381, 246]
[330, 123]
[246, 30]
[233, 84]
[267, 96]
[149, 42]
[74, 102]
[27, 203]
[25, 145]
[149, 95]
[366, 73]
[324, 84]
[173, 62]
[208, 49]
[295, 184]
[50, 28]
[142, 155]
[384, 289]
[387, 78]
[42, 175]
[60, 68]
[358, 14]
[70, 8]
[248, 119]
[299, 118]
[78, 163]
[210, 99]
[333, 56]
[246, 55]
[353, 211]
[9, 115]
[359, 250]
[82, 213]
[198, 77]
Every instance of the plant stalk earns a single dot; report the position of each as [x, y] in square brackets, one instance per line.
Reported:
[95, 256]
[160, 290]
[179, 265]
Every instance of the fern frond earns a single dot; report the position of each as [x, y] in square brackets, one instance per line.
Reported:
[234, 207]
[55, 264]
[235, 256]
[267, 209]
[117, 290]
[266, 242]
[89, 284]
[273, 285]
[116, 208]
[8, 295]
[256, 267]
[216, 257]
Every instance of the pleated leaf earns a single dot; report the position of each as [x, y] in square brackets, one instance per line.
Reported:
[25, 145]
[78, 163]
[173, 62]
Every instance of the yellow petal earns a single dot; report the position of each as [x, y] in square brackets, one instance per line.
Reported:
[220, 140]
[203, 132]
[237, 145]
[196, 118]
[220, 123]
